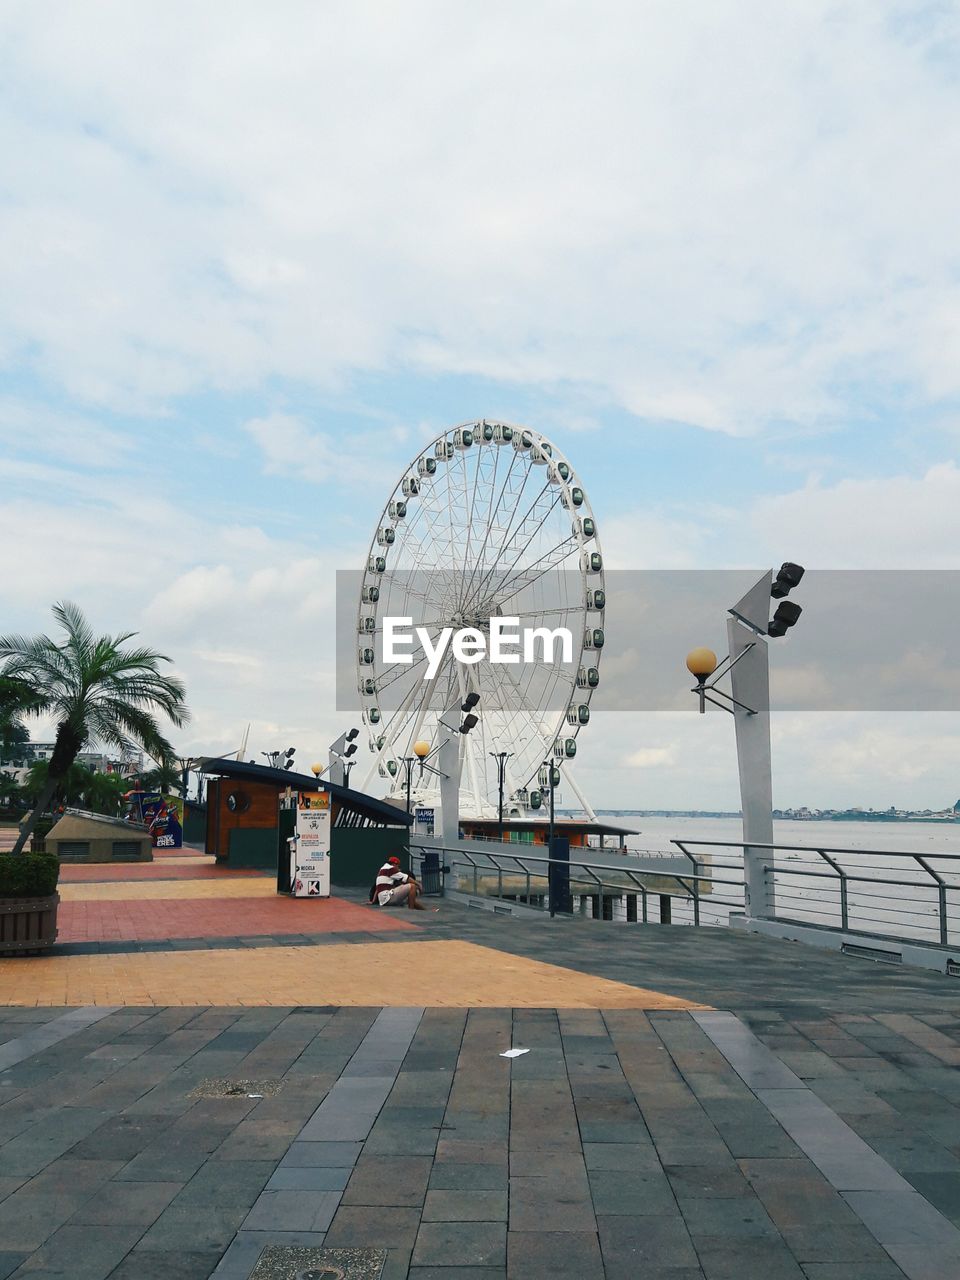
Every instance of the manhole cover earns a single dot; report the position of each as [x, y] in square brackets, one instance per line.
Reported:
[287, 1262]
[236, 1089]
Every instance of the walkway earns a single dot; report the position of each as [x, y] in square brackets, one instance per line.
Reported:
[692, 1105]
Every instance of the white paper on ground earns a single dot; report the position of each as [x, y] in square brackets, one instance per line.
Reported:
[514, 1053]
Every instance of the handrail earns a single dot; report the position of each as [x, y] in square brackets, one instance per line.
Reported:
[862, 902]
[686, 885]
[809, 848]
[847, 878]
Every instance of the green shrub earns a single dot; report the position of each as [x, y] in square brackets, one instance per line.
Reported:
[28, 875]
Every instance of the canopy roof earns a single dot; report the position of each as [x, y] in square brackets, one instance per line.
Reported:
[379, 811]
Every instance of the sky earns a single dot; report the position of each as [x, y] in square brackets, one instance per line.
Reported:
[252, 259]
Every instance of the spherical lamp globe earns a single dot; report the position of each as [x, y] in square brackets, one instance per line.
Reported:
[701, 663]
[317, 769]
[421, 749]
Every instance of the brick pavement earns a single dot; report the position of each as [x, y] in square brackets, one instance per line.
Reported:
[624, 1143]
[804, 1127]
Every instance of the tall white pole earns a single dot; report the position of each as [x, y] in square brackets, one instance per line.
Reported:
[750, 681]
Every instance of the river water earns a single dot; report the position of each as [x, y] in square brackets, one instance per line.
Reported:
[910, 909]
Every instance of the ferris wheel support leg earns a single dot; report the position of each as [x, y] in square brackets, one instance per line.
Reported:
[584, 802]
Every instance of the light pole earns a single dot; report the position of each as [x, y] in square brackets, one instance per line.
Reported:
[274, 758]
[747, 663]
[558, 851]
[501, 758]
[549, 779]
[421, 750]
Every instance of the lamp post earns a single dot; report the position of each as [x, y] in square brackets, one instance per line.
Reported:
[558, 852]
[702, 663]
[747, 663]
[421, 750]
[501, 758]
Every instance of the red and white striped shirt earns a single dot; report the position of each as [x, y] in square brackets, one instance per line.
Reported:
[388, 877]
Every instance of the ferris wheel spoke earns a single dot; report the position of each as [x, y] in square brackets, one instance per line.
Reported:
[473, 502]
[390, 675]
[522, 535]
[492, 515]
[545, 565]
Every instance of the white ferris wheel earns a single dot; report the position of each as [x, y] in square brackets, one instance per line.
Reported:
[489, 520]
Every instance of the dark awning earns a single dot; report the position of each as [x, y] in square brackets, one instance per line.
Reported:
[369, 807]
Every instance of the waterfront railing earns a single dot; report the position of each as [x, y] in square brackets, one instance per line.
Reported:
[599, 888]
[900, 895]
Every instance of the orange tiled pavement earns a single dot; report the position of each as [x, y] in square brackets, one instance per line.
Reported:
[196, 869]
[132, 903]
[437, 974]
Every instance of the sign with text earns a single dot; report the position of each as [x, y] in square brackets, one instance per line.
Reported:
[312, 874]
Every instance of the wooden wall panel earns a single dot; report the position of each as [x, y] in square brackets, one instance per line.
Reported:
[262, 812]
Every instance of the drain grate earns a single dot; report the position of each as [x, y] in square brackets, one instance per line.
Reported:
[236, 1089]
[287, 1262]
[880, 954]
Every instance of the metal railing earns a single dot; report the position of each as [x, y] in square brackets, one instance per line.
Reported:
[604, 890]
[896, 894]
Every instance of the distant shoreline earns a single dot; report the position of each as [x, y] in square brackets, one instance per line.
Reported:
[780, 816]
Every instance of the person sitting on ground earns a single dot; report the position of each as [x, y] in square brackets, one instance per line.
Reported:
[394, 888]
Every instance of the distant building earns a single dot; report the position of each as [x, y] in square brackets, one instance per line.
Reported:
[23, 756]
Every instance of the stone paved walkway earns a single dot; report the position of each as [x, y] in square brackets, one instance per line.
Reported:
[794, 1116]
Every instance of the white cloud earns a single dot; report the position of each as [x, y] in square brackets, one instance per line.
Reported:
[652, 757]
[905, 521]
[721, 219]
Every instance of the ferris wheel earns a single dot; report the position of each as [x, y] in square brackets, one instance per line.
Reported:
[489, 521]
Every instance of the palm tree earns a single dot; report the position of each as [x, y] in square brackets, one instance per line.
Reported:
[96, 690]
[166, 777]
[86, 788]
[16, 701]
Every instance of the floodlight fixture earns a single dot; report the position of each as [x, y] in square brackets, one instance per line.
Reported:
[788, 577]
[788, 611]
[469, 722]
[469, 702]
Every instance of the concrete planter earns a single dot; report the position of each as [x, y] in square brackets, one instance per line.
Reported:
[28, 925]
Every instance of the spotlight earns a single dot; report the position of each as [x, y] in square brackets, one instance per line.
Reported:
[354, 732]
[469, 720]
[788, 577]
[785, 617]
[469, 702]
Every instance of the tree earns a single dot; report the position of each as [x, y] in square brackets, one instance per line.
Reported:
[97, 690]
[166, 777]
[82, 787]
[16, 701]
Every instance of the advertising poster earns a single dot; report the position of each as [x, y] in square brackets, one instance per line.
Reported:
[162, 814]
[312, 876]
